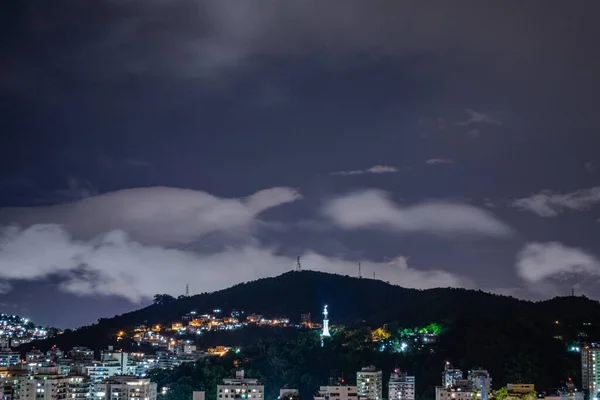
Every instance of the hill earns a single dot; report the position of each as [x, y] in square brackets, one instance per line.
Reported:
[351, 301]
[516, 340]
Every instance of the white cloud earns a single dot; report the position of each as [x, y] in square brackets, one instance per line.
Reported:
[550, 204]
[373, 208]
[155, 214]
[438, 161]
[376, 169]
[113, 264]
[382, 169]
[537, 262]
[476, 117]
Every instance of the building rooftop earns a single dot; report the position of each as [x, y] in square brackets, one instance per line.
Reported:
[240, 379]
[127, 379]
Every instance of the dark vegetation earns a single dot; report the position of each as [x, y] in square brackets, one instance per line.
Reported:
[517, 341]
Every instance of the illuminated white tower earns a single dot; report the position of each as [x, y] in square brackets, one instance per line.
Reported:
[325, 323]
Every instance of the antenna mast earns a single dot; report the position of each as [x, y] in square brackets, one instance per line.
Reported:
[187, 290]
[298, 266]
[359, 273]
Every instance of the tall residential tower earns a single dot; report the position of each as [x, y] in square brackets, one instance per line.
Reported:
[590, 370]
[370, 383]
[401, 386]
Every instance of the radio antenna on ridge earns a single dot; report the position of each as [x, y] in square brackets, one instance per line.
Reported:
[298, 266]
[359, 272]
[187, 290]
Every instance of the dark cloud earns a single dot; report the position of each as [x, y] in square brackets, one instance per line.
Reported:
[152, 128]
[195, 38]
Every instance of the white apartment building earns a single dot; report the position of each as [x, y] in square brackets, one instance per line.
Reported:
[125, 387]
[451, 376]
[337, 392]
[116, 356]
[44, 387]
[9, 357]
[79, 388]
[590, 370]
[370, 383]
[401, 386]
[45, 384]
[100, 371]
[11, 386]
[240, 388]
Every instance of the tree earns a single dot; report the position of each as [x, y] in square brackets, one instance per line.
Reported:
[380, 334]
[500, 394]
[162, 299]
[530, 396]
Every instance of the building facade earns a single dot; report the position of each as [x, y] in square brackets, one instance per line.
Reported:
[100, 371]
[401, 386]
[125, 387]
[451, 376]
[454, 393]
[480, 380]
[590, 370]
[44, 387]
[240, 388]
[289, 394]
[477, 386]
[370, 383]
[9, 357]
[79, 388]
[337, 392]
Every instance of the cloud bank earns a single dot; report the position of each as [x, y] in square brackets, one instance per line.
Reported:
[550, 204]
[539, 261]
[113, 264]
[155, 214]
[374, 208]
[200, 38]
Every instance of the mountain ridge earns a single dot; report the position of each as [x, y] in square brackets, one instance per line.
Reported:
[351, 301]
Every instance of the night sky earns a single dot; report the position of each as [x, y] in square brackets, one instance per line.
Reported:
[150, 144]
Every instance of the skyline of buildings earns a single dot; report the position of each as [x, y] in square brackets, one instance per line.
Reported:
[48, 383]
[113, 378]
[81, 371]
